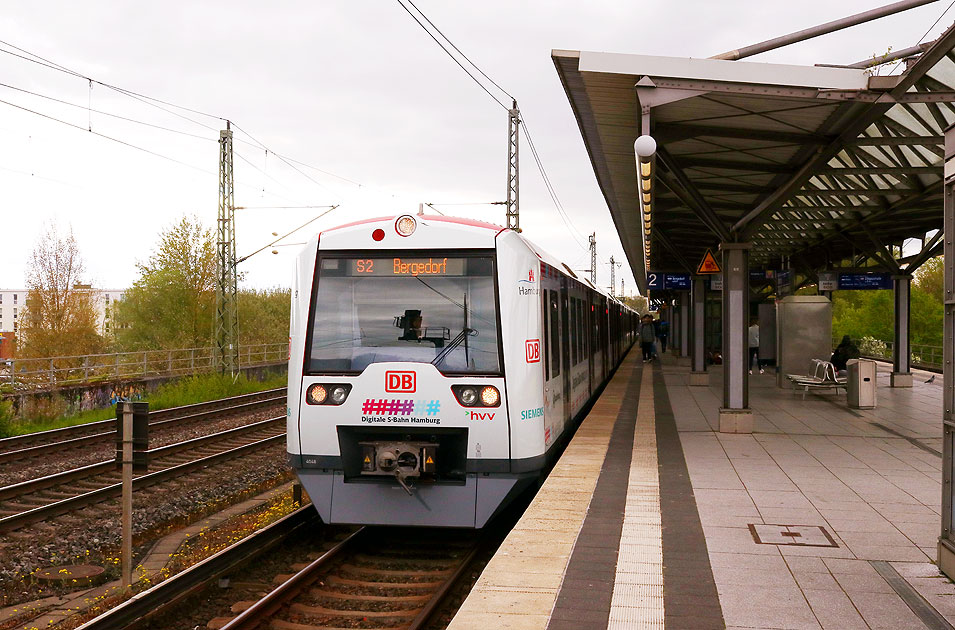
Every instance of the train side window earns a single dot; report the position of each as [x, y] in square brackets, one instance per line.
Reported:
[545, 318]
[554, 333]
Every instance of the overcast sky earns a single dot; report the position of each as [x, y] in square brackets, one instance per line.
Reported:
[352, 87]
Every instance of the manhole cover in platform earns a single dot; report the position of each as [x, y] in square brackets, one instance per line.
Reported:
[73, 574]
[795, 535]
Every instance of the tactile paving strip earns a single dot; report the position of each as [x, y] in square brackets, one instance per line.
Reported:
[638, 585]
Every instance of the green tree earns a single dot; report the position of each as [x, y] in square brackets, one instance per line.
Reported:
[263, 316]
[930, 277]
[172, 305]
[59, 319]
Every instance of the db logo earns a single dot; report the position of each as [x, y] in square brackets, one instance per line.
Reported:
[399, 381]
[532, 350]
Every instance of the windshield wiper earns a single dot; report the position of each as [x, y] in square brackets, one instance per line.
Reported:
[454, 343]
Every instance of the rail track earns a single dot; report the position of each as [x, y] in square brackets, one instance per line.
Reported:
[22, 447]
[41, 499]
[374, 578]
[382, 578]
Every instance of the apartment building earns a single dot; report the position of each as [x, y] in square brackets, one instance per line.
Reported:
[13, 307]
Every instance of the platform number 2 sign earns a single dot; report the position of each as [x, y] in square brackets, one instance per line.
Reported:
[532, 350]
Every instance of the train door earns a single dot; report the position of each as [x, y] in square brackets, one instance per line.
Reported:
[553, 374]
[565, 340]
[588, 325]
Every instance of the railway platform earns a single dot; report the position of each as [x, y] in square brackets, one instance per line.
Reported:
[825, 517]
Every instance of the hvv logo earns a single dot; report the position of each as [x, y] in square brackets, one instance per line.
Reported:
[400, 382]
[479, 415]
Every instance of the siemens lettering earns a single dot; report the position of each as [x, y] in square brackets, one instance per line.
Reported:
[416, 268]
[527, 414]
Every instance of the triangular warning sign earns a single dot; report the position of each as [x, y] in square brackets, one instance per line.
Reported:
[708, 264]
[429, 460]
[367, 459]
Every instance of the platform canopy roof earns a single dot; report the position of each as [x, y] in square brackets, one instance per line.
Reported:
[813, 163]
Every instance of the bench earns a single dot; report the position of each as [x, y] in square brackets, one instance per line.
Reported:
[824, 376]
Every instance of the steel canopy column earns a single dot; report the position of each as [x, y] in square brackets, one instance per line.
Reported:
[698, 373]
[946, 541]
[901, 352]
[735, 414]
[685, 316]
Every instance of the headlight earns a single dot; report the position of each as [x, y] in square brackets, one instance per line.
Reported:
[339, 394]
[468, 396]
[405, 226]
[316, 395]
[477, 395]
[490, 396]
[327, 393]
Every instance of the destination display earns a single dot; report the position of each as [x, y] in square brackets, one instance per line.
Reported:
[761, 275]
[864, 281]
[658, 281]
[396, 266]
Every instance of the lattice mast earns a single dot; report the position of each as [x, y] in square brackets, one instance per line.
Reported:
[227, 316]
[593, 259]
[513, 188]
[613, 276]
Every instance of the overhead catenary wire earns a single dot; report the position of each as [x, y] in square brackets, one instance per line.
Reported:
[448, 52]
[111, 138]
[160, 104]
[898, 64]
[104, 113]
[551, 191]
[474, 65]
[35, 58]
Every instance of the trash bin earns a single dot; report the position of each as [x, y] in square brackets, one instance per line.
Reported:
[861, 383]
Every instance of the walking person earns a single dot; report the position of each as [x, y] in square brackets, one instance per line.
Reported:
[663, 333]
[754, 345]
[647, 337]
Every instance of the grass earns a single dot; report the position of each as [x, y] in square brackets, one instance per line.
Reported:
[185, 391]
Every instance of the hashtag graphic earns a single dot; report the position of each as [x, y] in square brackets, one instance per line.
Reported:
[404, 407]
[434, 407]
[375, 406]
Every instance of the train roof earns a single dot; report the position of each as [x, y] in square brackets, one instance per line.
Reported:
[473, 223]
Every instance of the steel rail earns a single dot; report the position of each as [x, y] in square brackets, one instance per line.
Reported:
[156, 417]
[266, 607]
[49, 481]
[51, 447]
[15, 521]
[166, 594]
[429, 609]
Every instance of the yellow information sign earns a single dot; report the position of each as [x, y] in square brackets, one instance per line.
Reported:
[708, 264]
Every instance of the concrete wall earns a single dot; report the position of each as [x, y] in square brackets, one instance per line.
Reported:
[99, 395]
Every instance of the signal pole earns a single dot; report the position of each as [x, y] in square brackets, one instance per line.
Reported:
[622, 292]
[513, 188]
[593, 259]
[227, 316]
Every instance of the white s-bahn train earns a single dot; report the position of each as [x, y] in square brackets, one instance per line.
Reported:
[437, 366]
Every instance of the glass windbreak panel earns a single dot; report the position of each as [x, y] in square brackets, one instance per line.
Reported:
[423, 309]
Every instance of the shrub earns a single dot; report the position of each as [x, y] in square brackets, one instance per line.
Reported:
[6, 418]
[872, 347]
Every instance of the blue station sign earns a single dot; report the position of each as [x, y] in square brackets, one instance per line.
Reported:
[864, 281]
[659, 281]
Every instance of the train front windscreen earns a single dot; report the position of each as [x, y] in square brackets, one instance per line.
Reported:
[408, 307]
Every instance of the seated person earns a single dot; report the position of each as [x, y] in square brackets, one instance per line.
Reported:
[844, 351]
